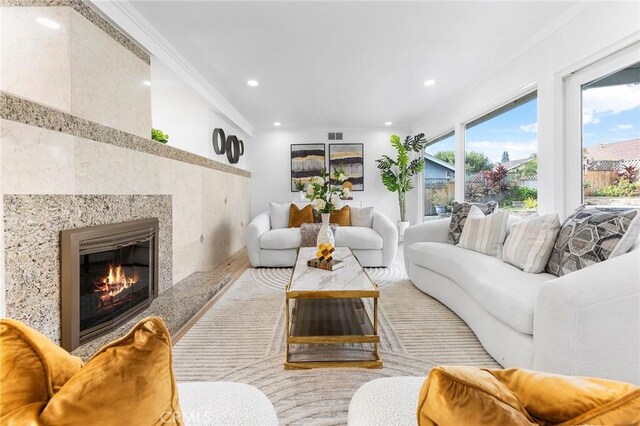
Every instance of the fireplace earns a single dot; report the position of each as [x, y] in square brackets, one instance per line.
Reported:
[109, 273]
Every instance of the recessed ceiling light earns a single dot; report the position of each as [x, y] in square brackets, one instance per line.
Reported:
[429, 82]
[252, 83]
[388, 123]
[277, 123]
[146, 83]
[47, 23]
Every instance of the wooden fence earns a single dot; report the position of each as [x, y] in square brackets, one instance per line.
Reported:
[448, 192]
[598, 179]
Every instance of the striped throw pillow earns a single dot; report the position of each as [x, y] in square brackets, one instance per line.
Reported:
[530, 243]
[484, 234]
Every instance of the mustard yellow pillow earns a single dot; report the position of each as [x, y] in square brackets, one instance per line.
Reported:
[32, 370]
[553, 398]
[128, 382]
[342, 217]
[299, 216]
[468, 395]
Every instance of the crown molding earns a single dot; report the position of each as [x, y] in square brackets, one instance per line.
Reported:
[127, 17]
[562, 19]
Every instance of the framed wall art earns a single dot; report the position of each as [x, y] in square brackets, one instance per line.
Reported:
[307, 161]
[351, 157]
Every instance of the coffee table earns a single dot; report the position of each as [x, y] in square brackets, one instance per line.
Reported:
[327, 322]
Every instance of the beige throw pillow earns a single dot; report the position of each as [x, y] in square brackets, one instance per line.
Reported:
[530, 243]
[362, 217]
[484, 234]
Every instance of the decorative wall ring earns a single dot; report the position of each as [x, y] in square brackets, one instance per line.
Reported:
[233, 149]
[219, 141]
[241, 147]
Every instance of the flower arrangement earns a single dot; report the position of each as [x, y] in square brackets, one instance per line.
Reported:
[323, 195]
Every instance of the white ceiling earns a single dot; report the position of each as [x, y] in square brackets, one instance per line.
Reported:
[345, 64]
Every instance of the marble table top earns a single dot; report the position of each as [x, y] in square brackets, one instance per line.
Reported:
[351, 277]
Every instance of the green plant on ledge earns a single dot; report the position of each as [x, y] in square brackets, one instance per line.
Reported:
[298, 184]
[159, 136]
[397, 175]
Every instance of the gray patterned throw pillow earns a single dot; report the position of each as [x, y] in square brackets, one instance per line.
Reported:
[459, 214]
[592, 235]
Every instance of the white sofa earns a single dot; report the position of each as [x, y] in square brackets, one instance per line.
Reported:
[375, 246]
[585, 323]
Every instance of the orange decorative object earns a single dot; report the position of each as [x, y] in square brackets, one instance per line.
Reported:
[324, 252]
[469, 395]
[348, 185]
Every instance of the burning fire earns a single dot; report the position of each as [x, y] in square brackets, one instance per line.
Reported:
[115, 283]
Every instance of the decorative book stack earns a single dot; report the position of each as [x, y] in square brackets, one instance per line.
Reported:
[330, 265]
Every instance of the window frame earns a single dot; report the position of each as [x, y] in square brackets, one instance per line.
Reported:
[440, 136]
[526, 94]
[573, 125]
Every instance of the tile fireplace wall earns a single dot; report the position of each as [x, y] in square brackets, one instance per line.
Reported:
[74, 152]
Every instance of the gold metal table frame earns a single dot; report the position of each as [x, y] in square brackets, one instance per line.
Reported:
[350, 301]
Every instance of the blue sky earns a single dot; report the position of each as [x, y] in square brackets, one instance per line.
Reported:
[610, 114]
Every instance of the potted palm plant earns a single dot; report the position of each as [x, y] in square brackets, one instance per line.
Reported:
[397, 174]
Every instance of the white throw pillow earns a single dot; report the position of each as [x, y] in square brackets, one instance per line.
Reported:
[279, 215]
[530, 242]
[484, 234]
[362, 217]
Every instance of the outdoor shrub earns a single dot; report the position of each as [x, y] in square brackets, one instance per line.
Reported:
[623, 188]
[531, 203]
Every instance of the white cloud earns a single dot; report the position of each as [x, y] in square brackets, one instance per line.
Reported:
[609, 100]
[622, 127]
[530, 128]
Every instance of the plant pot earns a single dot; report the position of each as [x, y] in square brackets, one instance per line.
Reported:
[402, 226]
[441, 209]
[325, 235]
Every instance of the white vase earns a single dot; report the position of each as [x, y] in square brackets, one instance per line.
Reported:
[301, 196]
[325, 235]
[402, 226]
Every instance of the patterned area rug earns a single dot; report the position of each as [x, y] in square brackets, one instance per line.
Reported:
[241, 339]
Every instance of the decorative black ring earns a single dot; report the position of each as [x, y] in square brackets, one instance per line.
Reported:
[241, 147]
[219, 141]
[233, 149]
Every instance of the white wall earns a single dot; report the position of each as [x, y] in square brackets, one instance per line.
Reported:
[187, 117]
[271, 167]
[593, 32]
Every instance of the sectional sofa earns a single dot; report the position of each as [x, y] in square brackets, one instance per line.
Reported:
[584, 323]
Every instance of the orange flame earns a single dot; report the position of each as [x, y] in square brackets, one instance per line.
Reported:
[114, 283]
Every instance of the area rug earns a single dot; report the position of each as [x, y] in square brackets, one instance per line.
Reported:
[241, 339]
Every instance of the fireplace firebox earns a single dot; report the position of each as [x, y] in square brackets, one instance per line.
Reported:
[109, 273]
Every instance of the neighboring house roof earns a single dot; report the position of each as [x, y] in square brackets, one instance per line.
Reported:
[623, 150]
[436, 160]
[510, 165]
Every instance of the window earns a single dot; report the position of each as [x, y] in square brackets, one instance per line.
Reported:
[611, 139]
[439, 175]
[501, 161]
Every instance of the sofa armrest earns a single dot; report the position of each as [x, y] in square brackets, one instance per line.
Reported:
[588, 322]
[436, 231]
[389, 233]
[258, 226]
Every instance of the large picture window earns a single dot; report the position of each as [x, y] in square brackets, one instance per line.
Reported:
[501, 161]
[611, 139]
[439, 175]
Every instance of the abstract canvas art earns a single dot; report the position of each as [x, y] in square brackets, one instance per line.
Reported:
[351, 157]
[307, 161]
